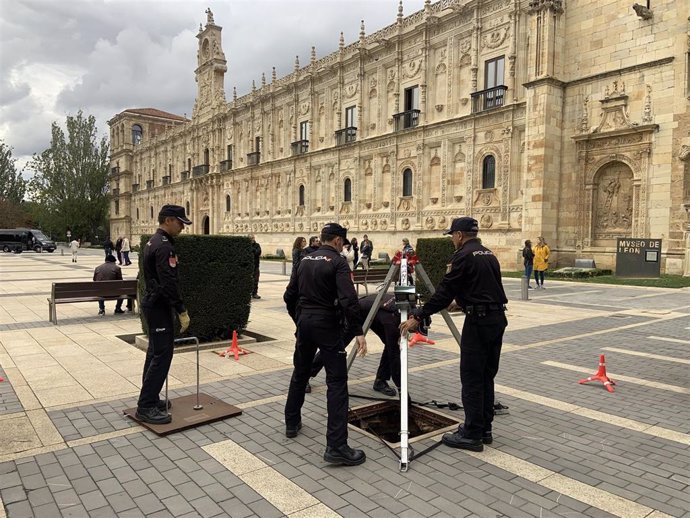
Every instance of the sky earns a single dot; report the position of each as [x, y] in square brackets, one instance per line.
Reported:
[104, 56]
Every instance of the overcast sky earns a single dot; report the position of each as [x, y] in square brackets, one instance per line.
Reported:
[104, 56]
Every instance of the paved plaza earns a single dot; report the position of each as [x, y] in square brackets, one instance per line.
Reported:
[564, 449]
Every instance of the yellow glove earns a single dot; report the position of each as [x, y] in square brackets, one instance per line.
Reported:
[184, 321]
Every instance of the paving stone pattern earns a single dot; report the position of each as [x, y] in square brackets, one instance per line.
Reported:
[9, 403]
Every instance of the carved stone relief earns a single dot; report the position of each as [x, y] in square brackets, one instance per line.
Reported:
[613, 200]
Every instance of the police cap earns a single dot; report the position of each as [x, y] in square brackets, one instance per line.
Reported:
[175, 211]
[336, 230]
[464, 224]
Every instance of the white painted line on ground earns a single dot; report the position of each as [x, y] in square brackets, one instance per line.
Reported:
[2, 509]
[620, 377]
[598, 498]
[278, 490]
[648, 355]
[666, 339]
[622, 422]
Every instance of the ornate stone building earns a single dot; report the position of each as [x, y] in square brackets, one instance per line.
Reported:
[538, 117]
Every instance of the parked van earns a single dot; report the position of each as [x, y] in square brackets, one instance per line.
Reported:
[20, 239]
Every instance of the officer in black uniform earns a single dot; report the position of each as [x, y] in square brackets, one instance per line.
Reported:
[161, 298]
[321, 299]
[473, 280]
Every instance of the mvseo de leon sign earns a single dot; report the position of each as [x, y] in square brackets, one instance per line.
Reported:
[638, 257]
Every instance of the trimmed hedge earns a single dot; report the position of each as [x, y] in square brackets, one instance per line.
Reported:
[216, 281]
[578, 273]
[434, 254]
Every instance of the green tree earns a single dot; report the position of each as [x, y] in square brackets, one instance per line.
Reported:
[12, 184]
[70, 184]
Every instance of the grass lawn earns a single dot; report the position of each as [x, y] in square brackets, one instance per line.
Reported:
[665, 281]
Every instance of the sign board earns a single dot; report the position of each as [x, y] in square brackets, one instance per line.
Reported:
[638, 257]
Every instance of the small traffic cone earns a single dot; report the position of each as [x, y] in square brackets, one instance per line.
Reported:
[600, 376]
[418, 337]
[234, 349]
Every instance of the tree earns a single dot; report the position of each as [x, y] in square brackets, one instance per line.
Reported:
[70, 186]
[12, 184]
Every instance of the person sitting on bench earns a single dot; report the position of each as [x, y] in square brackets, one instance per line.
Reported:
[109, 271]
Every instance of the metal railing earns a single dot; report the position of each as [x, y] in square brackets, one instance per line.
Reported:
[300, 147]
[114, 170]
[149, 184]
[116, 192]
[254, 158]
[225, 165]
[199, 170]
[184, 175]
[407, 119]
[135, 187]
[345, 136]
[489, 98]
[165, 180]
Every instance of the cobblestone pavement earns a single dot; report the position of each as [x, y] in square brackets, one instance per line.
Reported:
[564, 450]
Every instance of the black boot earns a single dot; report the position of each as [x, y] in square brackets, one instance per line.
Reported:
[344, 455]
[292, 431]
[458, 440]
[383, 387]
[152, 416]
[162, 406]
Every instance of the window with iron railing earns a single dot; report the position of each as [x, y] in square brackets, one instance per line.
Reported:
[225, 166]
[135, 187]
[405, 120]
[114, 170]
[199, 170]
[149, 184]
[489, 99]
[165, 180]
[345, 136]
[254, 158]
[116, 192]
[300, 147]
[184, 175]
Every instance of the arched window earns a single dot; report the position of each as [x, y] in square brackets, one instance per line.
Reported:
[407, 182]
[187, 208]
[227, 203]
[189, 164]
[206, 156]
[137, 134]
[347, 189]
[489, 172]
[137, 213]
[301, 195]
[151, 212]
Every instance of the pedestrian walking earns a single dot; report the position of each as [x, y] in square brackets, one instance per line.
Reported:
[125, 251]
[108, 246]
[473, 280]
[349, 254]
[74, 247]
[109, 271]
[321, 300]
[314, 244]
[161, 298]
[256, 248]
[355, 249]
[366, 249]
[541, 261]
[528, 260]
[298, 252]
[118, 250]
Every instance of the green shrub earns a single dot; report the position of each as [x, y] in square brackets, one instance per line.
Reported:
[578, 273]
[216, 281]
[434, 254]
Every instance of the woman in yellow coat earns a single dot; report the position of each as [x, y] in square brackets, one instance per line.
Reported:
[541, 261]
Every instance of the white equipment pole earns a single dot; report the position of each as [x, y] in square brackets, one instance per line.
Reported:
[402, 298]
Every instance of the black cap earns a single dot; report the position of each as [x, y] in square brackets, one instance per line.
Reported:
[464, 224]
[336, 230]
[175, 211]
[110, 258]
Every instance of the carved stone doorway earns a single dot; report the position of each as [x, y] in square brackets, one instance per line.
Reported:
[612, 203]
[206, 224]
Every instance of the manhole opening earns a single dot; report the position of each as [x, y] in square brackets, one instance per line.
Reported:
[383, 420]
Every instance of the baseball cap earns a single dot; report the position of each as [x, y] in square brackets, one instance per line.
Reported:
[463, 224]
[336, 230]
[175, 211]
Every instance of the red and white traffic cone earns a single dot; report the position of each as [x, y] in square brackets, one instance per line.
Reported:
[600, 376]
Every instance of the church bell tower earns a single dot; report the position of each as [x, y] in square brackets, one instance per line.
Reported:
[211, 68]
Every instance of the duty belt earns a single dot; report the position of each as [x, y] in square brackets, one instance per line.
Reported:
[482, 309]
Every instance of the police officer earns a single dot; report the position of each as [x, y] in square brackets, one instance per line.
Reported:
[319, 298]
[161, 298]
[474, 281]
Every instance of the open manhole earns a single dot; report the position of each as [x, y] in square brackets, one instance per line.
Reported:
[383, 420]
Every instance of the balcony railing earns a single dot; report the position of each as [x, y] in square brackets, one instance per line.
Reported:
[135, 187]
[254, 158]
[165, 180]
[149, 184]
[225, 166]
[116, 192]
[300, 147]
[345, 136]
[199, 170]
[114, 170]
[405, 120]
[488, 99]
[184, 175]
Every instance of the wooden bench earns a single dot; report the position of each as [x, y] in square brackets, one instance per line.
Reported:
[365, 277]
[89, 291]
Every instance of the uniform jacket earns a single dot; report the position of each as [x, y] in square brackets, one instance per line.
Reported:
[107, 272]
[160, 273]
[323, 284]
[474, 277]
[541, 257]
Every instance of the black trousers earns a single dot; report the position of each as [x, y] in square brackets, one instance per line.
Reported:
[257, 274]
[158, 355]
[317, 331]
[480, 350]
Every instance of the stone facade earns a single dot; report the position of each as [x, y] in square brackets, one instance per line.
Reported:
[536, 117]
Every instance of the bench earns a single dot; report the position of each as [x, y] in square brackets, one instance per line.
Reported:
[89, 291]
[383, 258]
[365, 277]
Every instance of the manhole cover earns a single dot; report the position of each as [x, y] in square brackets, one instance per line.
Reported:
[383, 420]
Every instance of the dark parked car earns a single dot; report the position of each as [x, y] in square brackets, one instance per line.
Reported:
[19, 239]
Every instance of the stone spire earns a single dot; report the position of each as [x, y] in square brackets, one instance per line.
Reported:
[362, 34]
[274, 76]
[234, 93]
[263, 79]
[341, 44]
[400, 12]
[313, 55]
[296, 69]
[253, 86]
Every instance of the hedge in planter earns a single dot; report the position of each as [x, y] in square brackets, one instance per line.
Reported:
[215, 275]
[434, 254]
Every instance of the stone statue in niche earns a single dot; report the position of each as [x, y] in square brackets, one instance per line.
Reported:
[614, 198]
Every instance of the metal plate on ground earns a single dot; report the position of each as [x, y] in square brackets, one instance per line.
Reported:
[184, 416]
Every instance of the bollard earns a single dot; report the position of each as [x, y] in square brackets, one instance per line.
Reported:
[62, 251]
[524, 291]
[284, 267]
